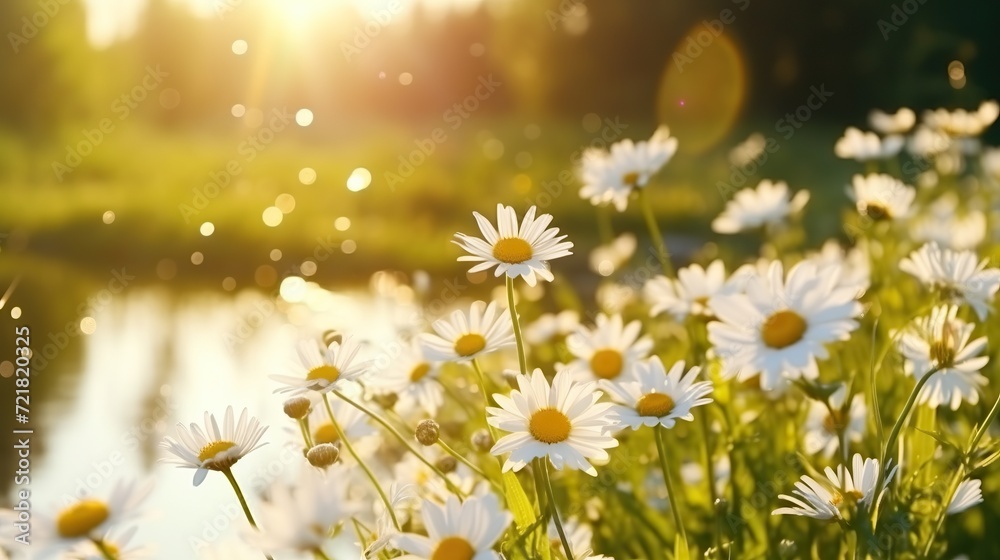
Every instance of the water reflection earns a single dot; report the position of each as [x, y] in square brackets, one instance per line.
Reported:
[156, 359]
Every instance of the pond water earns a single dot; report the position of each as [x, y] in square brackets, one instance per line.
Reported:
[156, 359]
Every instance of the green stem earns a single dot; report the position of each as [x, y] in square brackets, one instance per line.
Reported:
[361, 463]
[521, 360]
[543, 467]
[465, 461]
[306, 436]
[243, 502]
[902, 419]
[103, 549]
[710, 473]
[654, 232]
[661, 448]
[943, 513]
[960, 475]
[406, 443]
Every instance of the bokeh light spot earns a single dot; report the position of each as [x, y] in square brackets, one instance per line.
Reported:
[265, 276]
[285, 202]
[307, 175]
[207, 228]
[15, 312]
[275, 255]
[342, 223]
[166, 269]
[238, 110]
[348, 246]
[359, 180]
[293, 289]
[493, 149]
[88, 325]
[108, 217]
[240, 47]
[591, 122]
[709, 75]
[229, 283]
[197, 258]
[272, 216]
[308, 268]
[406, 78]
[304, 117]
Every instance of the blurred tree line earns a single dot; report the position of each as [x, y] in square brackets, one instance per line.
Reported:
[555, 58]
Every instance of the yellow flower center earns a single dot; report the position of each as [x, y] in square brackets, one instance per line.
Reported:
[876, 211]
[631, 179]
[453, 548]
[835, 422]
[607, 363]
[851, 496]
[655, 404]
[213, 449]
[326, 434]
[325, 373]
[512, 250]
[421, 371]
[942, 353]
[81, 518]
[548, 425]
[469, 344]
[783, 329]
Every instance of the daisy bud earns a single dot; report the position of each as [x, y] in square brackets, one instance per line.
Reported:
[428, 432]
[297, 407]
[482, 440]
[323, 455]
[386, 400]
[446, 464]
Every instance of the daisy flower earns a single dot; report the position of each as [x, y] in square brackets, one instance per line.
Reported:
[214, 449]
[303, 517]
[854, 265]
[864, 146]
[81, 523]
[822, 428]
[414, 379]
[899, 122]
[942, 341]
[563, 422]
[823, 499]
[690, 293]
[458, 531]
[609, 351]
[748, 150]
[658, 396]
[606, 259]
[611, 177]
[550, 326]
[926, 142]
[963, 123]
[781, 326]
[515, 251]
[945, 225]
[881, 197]
[464, 337]
[117, 543]
[968, 494]
[352, 421]
[767, 204]
[330, 368]
[955, 274]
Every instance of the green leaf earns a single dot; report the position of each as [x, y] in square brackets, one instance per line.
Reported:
[524, 514]
[681, 551]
